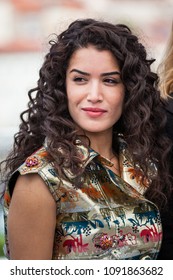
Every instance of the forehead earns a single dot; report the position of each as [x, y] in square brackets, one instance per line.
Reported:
[90, 57]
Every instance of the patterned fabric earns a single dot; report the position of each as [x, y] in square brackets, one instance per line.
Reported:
[107, 217]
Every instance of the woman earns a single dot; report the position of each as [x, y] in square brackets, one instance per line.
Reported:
[166, 87]
[88, 163]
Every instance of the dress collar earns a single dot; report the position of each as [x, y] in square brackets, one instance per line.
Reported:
[128, 172]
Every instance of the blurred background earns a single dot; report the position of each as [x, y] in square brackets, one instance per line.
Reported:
[25, 29]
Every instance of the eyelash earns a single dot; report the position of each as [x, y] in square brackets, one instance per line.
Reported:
[79, 79]
[109, 81]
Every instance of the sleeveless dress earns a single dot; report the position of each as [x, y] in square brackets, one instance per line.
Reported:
[106, 217]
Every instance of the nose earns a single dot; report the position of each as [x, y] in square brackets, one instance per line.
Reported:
[95, 92]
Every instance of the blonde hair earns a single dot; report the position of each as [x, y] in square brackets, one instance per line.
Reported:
[165, 69]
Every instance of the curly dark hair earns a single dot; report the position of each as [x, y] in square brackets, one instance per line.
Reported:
[142, 120]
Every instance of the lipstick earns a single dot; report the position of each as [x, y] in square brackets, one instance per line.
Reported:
[94, 112]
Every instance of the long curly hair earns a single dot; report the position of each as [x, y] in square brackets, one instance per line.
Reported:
[142, 120]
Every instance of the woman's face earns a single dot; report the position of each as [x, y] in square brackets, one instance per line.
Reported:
[95, 91]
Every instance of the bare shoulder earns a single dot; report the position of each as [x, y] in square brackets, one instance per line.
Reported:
[32, 197]
[31, 186]
[31, 219]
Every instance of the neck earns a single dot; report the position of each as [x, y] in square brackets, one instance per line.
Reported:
[101, 143]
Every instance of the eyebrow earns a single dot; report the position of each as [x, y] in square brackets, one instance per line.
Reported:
[103, 74]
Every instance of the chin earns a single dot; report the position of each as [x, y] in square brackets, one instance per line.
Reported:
[96, 130]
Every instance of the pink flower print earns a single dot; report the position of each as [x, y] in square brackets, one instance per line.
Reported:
[130, 239]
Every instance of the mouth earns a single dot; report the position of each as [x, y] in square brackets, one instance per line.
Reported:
[94, 112]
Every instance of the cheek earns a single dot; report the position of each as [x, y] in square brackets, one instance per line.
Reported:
[122, 97]
[74, 96]
[72, 105]
[70, 95]
[119, 102]
[72, 100]
[72, 91]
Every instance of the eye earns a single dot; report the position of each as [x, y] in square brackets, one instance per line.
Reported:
[79, 80]
[111, 81]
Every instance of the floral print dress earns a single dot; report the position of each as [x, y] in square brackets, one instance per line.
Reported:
[106, 217]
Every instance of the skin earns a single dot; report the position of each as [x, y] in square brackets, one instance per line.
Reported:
[92, 81]
[31, 220]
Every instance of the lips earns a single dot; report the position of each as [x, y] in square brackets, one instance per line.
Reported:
[96, 110]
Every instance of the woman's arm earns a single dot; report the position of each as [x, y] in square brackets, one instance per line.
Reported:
[31, 220]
